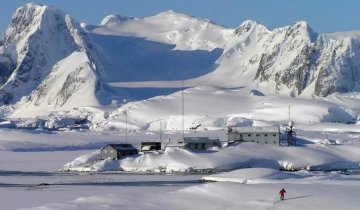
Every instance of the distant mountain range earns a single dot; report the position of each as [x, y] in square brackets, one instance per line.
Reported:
[49, 61]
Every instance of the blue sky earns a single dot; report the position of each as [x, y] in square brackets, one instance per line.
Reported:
[323, 16]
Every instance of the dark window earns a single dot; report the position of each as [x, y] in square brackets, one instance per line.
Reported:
[196, 146]
[265, 135]
[274, 134]
[252, 140]
[257, 134]
[203, 146]
[249, 134]
[274, 142]
[265, 142]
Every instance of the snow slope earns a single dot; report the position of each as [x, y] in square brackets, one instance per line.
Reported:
[216, 108]
[186, 32]
[30, 157]
[304, 191]
[291, 60]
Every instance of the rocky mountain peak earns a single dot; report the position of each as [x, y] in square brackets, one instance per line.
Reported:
[303, 30]
[115, 19]
[245, 27]
[37, 40]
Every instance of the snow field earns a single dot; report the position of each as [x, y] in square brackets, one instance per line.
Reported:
[317, 192]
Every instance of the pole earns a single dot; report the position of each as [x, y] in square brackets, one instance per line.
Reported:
[106, 116]
[126, 127]
[160, 132]
[102, 140]
[289, 114]
[182, 109]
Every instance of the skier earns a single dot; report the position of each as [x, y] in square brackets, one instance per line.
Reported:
[282, 193]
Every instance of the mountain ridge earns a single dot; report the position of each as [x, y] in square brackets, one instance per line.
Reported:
[41, 37]
[42, 44]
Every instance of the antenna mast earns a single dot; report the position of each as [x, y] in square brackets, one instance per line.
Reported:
[291, 134]
[126, 126]
[289, 114]
[182, 108]
[160, 132]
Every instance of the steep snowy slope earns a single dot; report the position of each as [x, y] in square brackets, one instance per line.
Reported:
[186, 32]
[167, 46]
[292, 60]
[53, 59]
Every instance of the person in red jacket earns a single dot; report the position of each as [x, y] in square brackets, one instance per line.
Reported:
[282, 193]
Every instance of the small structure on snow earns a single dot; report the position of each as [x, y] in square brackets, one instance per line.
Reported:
[196, 143]
[291, 134]
[118, 151]
[150, 146]
[261, 135]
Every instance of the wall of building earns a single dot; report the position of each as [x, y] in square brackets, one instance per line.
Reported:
[108, 152]
[202, 145]
[260, 137]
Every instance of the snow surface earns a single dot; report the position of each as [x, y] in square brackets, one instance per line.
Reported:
[116, 191]
[32, 157]
[217, 108]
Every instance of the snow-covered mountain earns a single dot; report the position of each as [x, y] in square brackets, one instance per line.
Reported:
[292, 60]
[50, 62]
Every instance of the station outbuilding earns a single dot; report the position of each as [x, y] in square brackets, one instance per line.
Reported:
[118, 151]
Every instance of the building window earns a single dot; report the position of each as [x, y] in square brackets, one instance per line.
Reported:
[196, 146]
[202, 146]
[249, 134]
[274, 142]
[265, 135]
[265, 142]
[252, 140]
[257, 134]
[274, 135]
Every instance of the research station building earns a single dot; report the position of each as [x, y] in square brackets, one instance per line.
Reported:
[260, 135]
[150, 146]
[118, 151]
[196, 143]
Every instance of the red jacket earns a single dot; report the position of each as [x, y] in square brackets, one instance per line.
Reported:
[282, 191]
